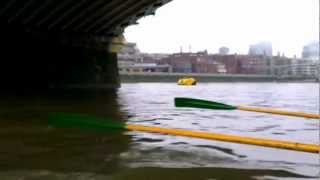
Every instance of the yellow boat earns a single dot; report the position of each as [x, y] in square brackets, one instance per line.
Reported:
[187, 81]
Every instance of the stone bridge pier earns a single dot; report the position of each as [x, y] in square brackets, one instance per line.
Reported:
[33, 61]
[69, 44]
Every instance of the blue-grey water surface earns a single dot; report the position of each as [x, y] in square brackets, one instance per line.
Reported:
[155, 107]
[31, 149]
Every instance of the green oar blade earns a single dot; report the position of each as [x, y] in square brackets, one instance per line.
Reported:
[199, 103]
[71, 120]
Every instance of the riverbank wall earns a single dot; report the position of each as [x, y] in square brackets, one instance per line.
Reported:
[174, 77]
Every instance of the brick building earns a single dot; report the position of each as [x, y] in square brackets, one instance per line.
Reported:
[199, 62]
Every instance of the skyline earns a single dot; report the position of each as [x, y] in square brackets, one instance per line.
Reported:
[210, 26]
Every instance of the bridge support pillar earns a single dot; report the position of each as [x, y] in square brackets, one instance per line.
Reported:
[84, 68]
[41, 62]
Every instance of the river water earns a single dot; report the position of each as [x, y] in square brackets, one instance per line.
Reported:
[31, 149]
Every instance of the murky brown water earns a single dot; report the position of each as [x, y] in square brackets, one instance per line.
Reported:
[30, 149]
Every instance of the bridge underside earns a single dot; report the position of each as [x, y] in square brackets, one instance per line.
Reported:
[64, 44]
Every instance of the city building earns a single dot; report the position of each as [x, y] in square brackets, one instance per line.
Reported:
[153, 57]
[130, 67]
[311, 51]
[260, 61]
[130, 52]
[131, 60]
[243, 64]
[303, 67]
[223, 50]
[262, 48]
[200, 62]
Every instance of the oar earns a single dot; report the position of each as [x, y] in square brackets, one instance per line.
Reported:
[198, 103]
[67, 120]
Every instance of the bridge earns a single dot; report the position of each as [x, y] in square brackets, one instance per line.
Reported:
[65, 44]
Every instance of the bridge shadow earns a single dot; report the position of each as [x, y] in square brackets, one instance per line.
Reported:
[28, 144]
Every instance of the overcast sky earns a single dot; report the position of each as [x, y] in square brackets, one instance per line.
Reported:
[210, 24]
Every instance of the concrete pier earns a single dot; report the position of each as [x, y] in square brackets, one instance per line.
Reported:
[64, 44]
[35, 61]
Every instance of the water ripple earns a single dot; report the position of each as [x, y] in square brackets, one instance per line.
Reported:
[155, 107]
[225, 150]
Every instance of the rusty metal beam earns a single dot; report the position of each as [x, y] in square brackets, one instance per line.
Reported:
[131, 11]
[87, 17]
[59, 6]
[90, 7]
[131, 20]
[21, 10]
[8, 5]
[37, 11]
[112, 13]
[66, 13]
[96, 16]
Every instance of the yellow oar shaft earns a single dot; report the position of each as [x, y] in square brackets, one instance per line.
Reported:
[230, 138]
[280, 112]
